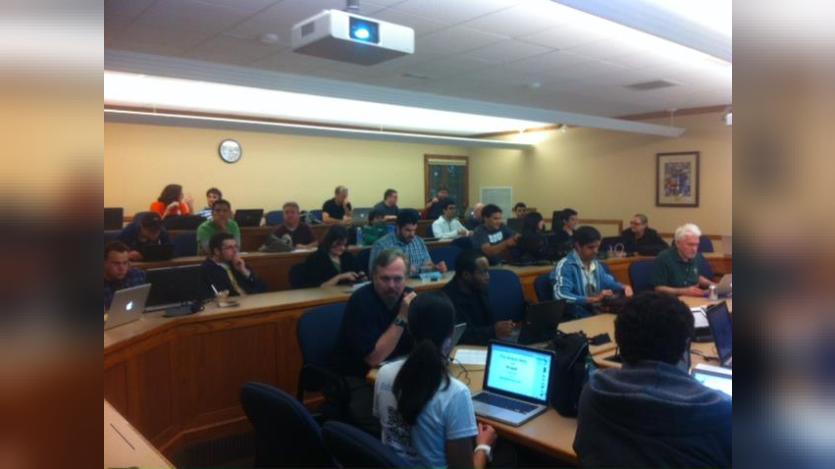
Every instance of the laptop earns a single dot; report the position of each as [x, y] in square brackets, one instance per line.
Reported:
[156, 252]
[720, 379]
[249, 216]
[360, 215]
[540, 324]
[127, 305]
[721, 326]
[725, 286]
[175, 289]
[458, 332]
[517, 383]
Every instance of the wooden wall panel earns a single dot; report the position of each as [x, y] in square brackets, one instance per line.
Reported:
[116, 387]
[152, 382]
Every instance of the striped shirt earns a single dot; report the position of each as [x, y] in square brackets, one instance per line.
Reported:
[415, 250]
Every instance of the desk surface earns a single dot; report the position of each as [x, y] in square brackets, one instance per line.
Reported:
[126, 447]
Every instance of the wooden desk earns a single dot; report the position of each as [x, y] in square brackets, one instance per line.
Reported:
[126, 447]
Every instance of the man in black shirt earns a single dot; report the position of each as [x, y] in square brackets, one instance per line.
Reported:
[388, 206]
[563, 226]
[336, 209]
[640, 238]
[468, 292]
[434, 208]
[373, 330]
[493, 237]
[147, 231]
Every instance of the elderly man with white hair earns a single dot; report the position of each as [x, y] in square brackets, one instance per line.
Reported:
[677, 268]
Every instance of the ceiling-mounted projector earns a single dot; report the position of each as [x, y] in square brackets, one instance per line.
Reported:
[343, 36]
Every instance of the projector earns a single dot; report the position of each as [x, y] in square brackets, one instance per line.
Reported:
[346, 37]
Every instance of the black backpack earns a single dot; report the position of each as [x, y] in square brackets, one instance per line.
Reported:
[569, 372]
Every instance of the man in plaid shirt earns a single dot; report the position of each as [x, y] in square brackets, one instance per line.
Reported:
[406, 239]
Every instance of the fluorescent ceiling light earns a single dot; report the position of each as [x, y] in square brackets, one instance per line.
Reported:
[173, 94]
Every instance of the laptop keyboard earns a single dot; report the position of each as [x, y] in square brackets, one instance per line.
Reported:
[505, 403]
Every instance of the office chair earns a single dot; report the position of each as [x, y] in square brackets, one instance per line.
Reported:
[640, 274]
[363, 258]
[285, 433]
[354, 448]
[544, 288]
[317, 332]
[446, 254]
[463, 243]
[113, 218]
[505, 295]
[705, 270]
[274, 217]
[183, 222]
[185, 244]
[705, 244]
[296, 276]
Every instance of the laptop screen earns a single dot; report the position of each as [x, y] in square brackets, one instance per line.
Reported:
[718, 381]
[519, 371]
[720, 325]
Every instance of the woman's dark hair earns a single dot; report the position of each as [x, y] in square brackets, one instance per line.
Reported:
[530, 223]
[334, 234]
[652, 326]
[431, 320]
[171, 193]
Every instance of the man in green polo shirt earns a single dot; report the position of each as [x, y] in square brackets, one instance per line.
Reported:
[220, 222]
[676, 269]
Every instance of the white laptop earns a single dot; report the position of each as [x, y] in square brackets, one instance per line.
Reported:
[517, 383]
[127, 305]
[725, 286]
[714, 377]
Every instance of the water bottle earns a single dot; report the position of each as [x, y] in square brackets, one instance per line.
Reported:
[359, 236]
[713, 295]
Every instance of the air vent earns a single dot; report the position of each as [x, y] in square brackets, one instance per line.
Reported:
[650, 85]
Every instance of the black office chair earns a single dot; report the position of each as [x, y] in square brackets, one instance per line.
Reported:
[463, 243]
[447, 254]
[705, 244]
[317, 332]
[185, 222]
[507, 301]
[640, 274]
[285, 433]
[185, 244]
[354, 448]
[544, 288]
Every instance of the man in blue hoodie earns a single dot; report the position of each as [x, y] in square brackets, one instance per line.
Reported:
[581, 280]
[651, 412]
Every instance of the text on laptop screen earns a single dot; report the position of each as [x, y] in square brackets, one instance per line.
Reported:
[720, 325]
[522, 372]
[720, 383]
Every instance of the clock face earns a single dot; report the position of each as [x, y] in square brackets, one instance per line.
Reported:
[230, 151]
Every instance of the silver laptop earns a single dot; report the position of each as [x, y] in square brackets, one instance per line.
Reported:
[725, 286]
[127, 305]
[517, 383]
[458, 332]
[720, 379]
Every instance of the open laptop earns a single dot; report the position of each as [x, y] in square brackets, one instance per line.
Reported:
[360, 215]
[541, 322]
[249, 216]
[458, 332]
[175, 289]
[720, 379]
[517, 383]
[156, 252]
[127, 305]
[721, 326]
[725, 286]
[113, 218]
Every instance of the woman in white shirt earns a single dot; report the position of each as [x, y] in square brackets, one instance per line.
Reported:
[427, 416]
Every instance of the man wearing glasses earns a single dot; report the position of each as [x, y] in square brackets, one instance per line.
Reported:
[374, 330]
[640, 238]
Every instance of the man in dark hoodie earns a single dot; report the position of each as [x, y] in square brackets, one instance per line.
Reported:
[651, 413]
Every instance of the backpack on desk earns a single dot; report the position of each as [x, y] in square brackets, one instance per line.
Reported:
[570, 373]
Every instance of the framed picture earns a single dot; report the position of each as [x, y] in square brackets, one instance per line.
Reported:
[677, 179]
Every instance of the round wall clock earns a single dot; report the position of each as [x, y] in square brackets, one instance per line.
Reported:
[229, 150]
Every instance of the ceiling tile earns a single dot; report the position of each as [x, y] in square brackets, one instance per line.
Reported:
[144, 38]
[244, 6]
[452, 12]
[454, 40]
[191, 15]
[421, 25]
[231, 50]
[564, 36]
[129, 9]
[507, 51]
[520, 20]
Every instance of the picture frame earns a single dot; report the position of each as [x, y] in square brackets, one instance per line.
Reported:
[677, 179]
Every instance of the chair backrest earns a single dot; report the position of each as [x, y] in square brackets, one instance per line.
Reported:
[463, 243]
[113, 218]
[274, 217]
[705, 244]
[185, 244]
[318, 333]
[111, 235]
[640, 274]
[185, 222]
[544, 288]
[315, 214]
[430, 232]
[505, 295]
[354, 448]
[285, 433]
[447, 254]
[296, 275]
[363, 258]
[705, 270]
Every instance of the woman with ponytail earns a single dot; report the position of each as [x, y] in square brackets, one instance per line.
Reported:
[427, 416]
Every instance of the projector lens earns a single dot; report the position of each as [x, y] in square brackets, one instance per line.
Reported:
[365, 31]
